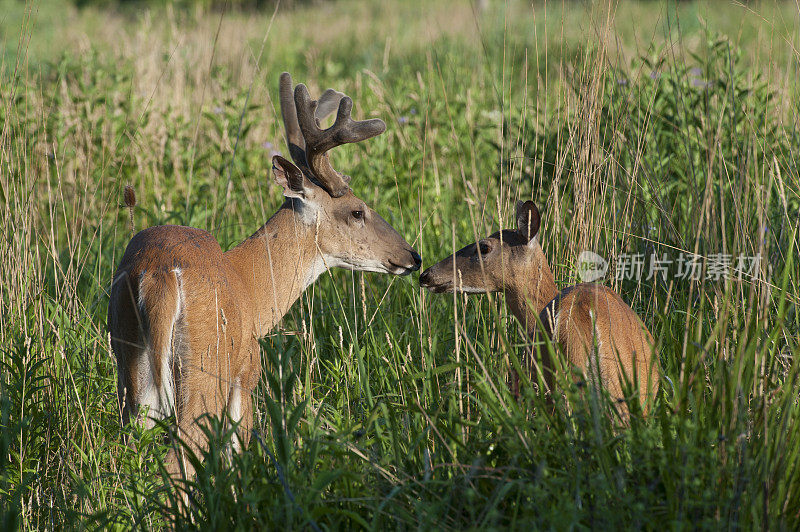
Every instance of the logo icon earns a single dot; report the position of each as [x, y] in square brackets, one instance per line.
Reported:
[591, 266]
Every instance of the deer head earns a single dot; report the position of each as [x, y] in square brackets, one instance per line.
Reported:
[495, 263]
[349, 233]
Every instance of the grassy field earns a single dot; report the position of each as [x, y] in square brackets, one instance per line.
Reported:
[653, 128]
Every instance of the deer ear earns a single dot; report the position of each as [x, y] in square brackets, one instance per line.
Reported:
[528, 220]
[290, 177]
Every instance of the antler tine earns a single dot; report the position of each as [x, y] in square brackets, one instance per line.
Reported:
[344, 130]
[294, 136]
[328, 103]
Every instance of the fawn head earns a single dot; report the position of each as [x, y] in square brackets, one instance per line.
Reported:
[490, 264]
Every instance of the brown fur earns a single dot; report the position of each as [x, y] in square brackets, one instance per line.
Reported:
[592, 320]
[595, 330]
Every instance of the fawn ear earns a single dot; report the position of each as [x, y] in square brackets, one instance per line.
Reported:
[290, 177]
[528, 220]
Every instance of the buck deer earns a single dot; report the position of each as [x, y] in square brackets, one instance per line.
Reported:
[185, 317]
[594, 328]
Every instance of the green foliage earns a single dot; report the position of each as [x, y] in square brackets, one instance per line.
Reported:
[382, 406]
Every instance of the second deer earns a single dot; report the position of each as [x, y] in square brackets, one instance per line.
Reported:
[594, 329]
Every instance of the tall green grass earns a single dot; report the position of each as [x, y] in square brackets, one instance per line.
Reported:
[383, 406]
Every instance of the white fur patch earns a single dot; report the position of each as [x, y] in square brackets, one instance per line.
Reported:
[148, 395]
[317, 267]
[360, 265]
[147, 401]
[556, 319]
[235, 406]
[471, 290]
[167, 395]
[596, 331]
[367, 265]
[467, 289]
[235, 411]
[307, 211]
[159, 403]
[141, 296]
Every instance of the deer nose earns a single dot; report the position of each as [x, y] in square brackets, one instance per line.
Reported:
[417, 259]
[424, 278]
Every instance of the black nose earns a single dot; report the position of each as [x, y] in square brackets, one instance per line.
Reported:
[424, 278]
[417, 258]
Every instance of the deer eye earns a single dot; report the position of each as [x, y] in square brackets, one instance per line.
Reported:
[358, 215]
[484, 248]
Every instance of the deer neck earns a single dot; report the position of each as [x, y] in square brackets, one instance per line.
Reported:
[276, 264]
[531, 289]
